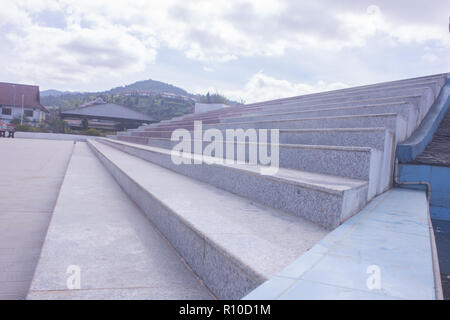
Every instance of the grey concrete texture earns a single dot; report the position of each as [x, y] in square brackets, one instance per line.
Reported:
[295, 107]
[352, 162]
[352, 137]
[386, 95]
[430, 91]
[439, 79]
[407, 110]
[232, 243]
[393, 234]
[323, 199]
[121, 255]
[377, 139]
[30, 176]
[51, 136]
[393, 122]
[373, 90]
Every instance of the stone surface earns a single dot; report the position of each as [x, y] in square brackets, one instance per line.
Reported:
[324, 199]
[120, 254]
[232, 243]
[391, 233]
[30, 177]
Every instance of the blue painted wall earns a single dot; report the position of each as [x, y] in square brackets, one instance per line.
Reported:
[438, 178]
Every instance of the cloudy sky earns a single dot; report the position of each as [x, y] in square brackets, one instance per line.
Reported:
[249, 50]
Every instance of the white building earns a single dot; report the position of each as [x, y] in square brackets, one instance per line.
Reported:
[18, 99]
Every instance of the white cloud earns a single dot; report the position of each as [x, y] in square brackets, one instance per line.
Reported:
[103, 41]
[207, 69]
[262, 87]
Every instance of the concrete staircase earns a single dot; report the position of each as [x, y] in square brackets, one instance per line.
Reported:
[235, 225]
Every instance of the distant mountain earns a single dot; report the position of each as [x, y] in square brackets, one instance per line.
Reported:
[55, 93]
[151, 85]
[164, 102]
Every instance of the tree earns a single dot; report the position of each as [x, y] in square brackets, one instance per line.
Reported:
[56, 125]
[84, 124]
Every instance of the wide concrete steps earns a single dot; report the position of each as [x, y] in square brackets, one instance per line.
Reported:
[352, 137]
[98, 231]
[395, 123]
[364, 153]
[231, 242]
[432, 82]
[324, 199]
[362, 163]
[406, 110]
[421, 102]
[424, 88]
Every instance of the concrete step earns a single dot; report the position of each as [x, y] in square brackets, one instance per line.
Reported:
[352, 137]
[435, 81]
[396, 123]
[392, 122]
[420, 91]
[375, 138]
[378, 139]
[96, 227]
[333, 160]
[399, 242]
[426, 99]
[407, 110]
[231, 243]
[324, 199]
[426, 94]
[415, 99]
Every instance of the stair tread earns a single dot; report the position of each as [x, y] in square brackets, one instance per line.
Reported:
[261, 238]
[317, 181]
[96, 226]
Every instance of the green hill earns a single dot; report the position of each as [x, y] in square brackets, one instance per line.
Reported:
[158, 106]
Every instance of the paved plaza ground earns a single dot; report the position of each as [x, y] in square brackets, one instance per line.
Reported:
[31, 172]
[94, 226]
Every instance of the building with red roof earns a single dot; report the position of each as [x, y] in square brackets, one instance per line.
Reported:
[18, 99]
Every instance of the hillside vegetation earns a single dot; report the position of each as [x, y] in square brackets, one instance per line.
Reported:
[158, 106]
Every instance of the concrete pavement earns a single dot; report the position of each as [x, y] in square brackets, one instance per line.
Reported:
[31, 172]
[118, 252]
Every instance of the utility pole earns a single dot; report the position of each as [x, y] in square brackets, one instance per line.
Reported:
[23, 111]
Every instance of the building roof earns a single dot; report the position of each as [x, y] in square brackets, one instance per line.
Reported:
[107, 110]
[11, 94]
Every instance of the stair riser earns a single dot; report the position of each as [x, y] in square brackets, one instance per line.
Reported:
[394, 123]
[423, 103]
[345, 138]
[290, 104]
[408, 111]
[427, 92]
[294, 107]
[323, 208]
[380, 140]
[321, 160]
[261, 111]
[223, 275]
